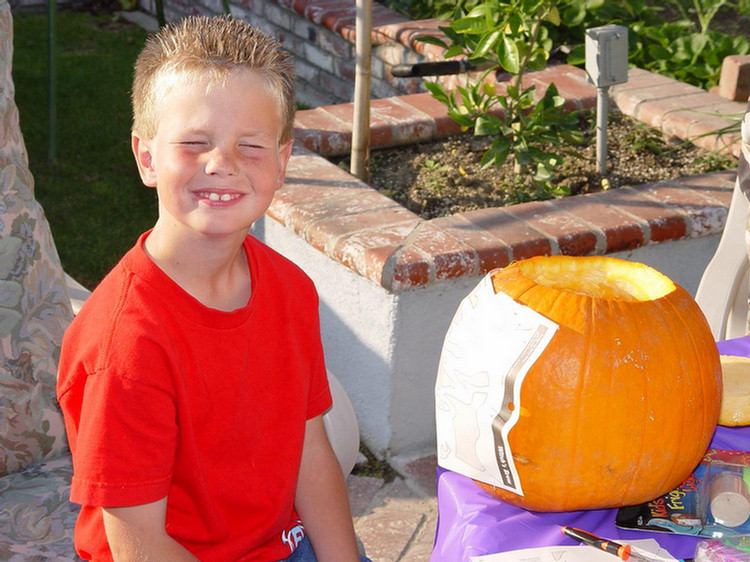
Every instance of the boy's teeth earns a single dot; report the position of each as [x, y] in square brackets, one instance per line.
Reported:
[217, 197]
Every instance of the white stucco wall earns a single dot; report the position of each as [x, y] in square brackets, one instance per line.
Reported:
[384, 347]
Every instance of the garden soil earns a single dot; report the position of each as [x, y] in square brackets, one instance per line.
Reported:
[445, 176]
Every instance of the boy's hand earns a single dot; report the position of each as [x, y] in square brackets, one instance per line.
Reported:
[322, 500]
[138, 534]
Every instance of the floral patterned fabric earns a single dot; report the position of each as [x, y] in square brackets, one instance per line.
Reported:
[34, 304]
[36, 518]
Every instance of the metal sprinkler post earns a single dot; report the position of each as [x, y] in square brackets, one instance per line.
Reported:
[606, 65]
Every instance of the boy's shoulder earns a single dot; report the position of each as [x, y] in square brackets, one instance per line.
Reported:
[269, 260]
[111, 296]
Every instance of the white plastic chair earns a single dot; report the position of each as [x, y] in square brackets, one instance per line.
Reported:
[723, 290]
[340, 421]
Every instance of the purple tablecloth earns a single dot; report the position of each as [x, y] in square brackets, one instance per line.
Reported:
[472, 523]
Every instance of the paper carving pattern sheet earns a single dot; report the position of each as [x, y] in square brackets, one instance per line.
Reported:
[490, 346]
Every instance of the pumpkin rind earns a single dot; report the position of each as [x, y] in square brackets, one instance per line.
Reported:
[622, 404]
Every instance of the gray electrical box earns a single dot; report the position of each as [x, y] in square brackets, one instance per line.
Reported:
[607, 55]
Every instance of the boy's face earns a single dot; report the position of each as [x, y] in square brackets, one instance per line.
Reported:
[215, 159]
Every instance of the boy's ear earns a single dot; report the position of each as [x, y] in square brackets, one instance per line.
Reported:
[285, 152]
[144, 160]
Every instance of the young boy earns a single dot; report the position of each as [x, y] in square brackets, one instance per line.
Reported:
[193, 380]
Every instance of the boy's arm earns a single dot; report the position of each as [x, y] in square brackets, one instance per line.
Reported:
[322, 500]
[138, 534]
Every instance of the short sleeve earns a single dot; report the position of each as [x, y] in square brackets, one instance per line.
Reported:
[127, 439]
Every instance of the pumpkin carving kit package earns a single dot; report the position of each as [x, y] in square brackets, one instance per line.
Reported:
[714, 501]
[569, 383]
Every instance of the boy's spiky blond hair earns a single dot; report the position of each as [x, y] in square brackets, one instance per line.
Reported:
[200, 48]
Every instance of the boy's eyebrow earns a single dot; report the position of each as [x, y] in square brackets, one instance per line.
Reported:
[244, 134]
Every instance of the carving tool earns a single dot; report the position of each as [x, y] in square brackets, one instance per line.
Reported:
[622, 551]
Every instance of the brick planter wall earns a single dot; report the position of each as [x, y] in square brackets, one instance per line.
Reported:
[390, 245]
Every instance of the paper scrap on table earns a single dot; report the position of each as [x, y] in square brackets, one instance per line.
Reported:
[491, 344]
[648, 548]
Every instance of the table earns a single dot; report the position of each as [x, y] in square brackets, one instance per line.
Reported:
[472, 523]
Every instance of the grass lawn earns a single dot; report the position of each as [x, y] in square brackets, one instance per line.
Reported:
[91, 194]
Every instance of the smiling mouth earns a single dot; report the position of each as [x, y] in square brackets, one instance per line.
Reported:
[213, 196]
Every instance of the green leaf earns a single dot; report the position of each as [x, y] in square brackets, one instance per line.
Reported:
[497, 153]
[486, 43]
[698, 42]
[486, 125]
[574, 14]
[438, 92]
[509, 58]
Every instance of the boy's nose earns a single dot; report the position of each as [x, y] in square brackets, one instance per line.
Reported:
[221, 162]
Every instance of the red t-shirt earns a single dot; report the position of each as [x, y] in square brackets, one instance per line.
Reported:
[163, 396]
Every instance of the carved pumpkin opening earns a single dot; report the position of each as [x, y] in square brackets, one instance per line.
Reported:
[600, 278]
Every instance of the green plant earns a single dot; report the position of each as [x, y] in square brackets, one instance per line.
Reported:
[434, 171]
[509, 36]
[441, 9]
[688, 49]
[675, 40]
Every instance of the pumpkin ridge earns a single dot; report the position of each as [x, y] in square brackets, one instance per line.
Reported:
[704, 391]
[640, 453]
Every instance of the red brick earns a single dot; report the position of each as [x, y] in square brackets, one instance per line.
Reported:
[405, 31]
[575, 88]
[451, 258]
[340, 17]
[703, 214]
[322, 233]
[320, 119]
[716, 186]
[571, 84]
[379, 255]
[643, 85]
[651, 111]
[734, 83]
[620, 231]
[382, 15]
[701, 132]
[663, 222]
[317, 11]
[381, 133]
[300, 6]
[410, 269]
[425, 103]
[573, 237]
[367, 250]
[639, 79]
[346, 204]
[491, 252]
[407, 124]
[522, 240]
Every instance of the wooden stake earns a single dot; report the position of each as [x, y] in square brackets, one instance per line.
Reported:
[360, 157]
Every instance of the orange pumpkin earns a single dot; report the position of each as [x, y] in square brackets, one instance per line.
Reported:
[621, 405]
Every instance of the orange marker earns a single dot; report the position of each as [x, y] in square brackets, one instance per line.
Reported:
[622, 551]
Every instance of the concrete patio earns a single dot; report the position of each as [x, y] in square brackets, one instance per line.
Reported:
[396, 519]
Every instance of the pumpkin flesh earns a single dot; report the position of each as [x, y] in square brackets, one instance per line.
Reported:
[622, 404]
